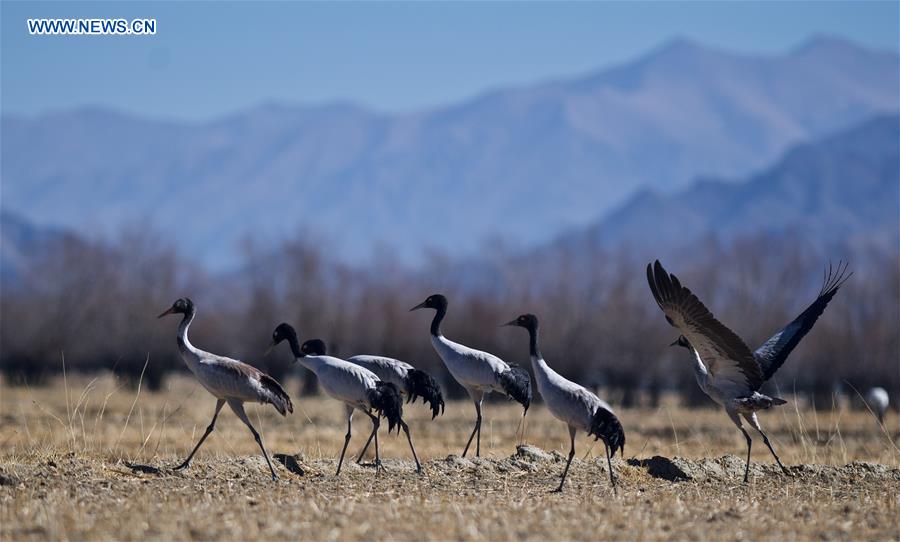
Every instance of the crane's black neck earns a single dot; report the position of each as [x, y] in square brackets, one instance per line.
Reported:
[534, 350]
[440, 312]
[294, 343]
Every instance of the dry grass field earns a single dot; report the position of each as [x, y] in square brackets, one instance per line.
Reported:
[65, 452]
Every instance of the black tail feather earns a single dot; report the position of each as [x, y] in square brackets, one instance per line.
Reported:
[516, 383]
[421, 384]
[278, 397]
[386, 401]
[607, 427]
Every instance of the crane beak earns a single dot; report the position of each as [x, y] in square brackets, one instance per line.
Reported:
[170, 311]
[269, 349]
[419, 306]
[510, 323]
[674, 343]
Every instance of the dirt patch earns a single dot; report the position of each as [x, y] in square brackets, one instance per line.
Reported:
[730, 467]
[664, 468]
[109, 476]
[291, 462]
[144, 469]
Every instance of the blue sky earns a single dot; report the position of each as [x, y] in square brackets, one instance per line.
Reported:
[210, 59]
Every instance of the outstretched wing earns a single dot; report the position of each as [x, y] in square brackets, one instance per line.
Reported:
[725, 355]
[772, 354]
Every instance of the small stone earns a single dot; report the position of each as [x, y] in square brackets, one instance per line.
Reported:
[532, 453]
[458, 461]
[8, 479]
[290, 463]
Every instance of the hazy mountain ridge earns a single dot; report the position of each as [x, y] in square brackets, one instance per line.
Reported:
[834, 195]
[525, 163]
[842, 190]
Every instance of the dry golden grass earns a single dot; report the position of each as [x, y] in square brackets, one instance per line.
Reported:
[64, 449]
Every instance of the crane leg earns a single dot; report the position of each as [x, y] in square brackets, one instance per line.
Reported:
[411, 447]
[376, 423]
[737, 421]
[377, 453]
[521, 426]
[612, 478]
[346, 440]
[524, 427]
[755, 423]
[562, 481]
[366, 447]
[766, 440]
[238, 409]
[476, 429]
[478, 440]
[209, 429]
[749, 445]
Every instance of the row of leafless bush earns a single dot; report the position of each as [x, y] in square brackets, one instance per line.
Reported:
[95, 305]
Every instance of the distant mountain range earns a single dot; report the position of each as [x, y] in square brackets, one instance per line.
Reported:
[524, 164]
[842, 191]
[839, 194]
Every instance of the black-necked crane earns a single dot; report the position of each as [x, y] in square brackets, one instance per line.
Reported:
[878, 400]
[229, 380]
[725, 368]
[478, 372]
[357, 387]
[572, 403]
[412, 383]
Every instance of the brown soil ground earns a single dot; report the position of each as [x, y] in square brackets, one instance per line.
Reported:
[65, 452]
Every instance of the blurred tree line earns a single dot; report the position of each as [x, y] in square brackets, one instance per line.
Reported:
[95, 304]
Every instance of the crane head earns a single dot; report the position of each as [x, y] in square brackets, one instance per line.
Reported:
[181, 306]
[434, 301]
[528, 321]
[682, 342]
[283, 332]
[314, 347]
